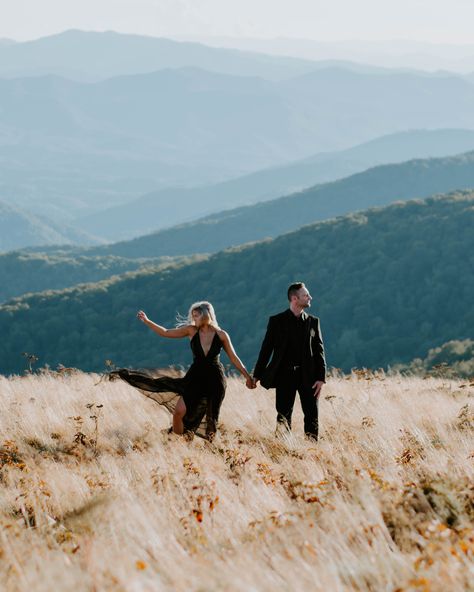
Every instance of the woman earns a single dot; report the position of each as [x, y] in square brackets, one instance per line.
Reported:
[196, 398]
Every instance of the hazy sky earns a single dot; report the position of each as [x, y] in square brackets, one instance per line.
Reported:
[427, 20]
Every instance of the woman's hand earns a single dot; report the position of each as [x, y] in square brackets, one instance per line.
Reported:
[141, 316]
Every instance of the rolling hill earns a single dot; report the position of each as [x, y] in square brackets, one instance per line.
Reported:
[171, 206]
[92, 56]
[406, 54]
[19, 228]
[375, 187]
[388, 284]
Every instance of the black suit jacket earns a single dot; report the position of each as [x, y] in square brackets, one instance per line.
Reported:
[272, 353]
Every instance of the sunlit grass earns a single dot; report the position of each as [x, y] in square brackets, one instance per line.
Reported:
[100, 498]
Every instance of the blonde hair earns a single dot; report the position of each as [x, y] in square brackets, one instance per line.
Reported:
[205, 308]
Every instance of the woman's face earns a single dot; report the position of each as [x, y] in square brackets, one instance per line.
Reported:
[198, 318]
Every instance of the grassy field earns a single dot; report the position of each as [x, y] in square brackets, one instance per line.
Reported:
[95, 496]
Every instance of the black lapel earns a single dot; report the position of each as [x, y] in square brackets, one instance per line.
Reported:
[308, 350]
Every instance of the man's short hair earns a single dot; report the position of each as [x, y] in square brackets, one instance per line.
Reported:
[294, 288]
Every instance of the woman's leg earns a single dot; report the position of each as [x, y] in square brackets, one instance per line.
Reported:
[179, 413]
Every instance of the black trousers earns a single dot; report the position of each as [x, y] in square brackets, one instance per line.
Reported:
[290, 382]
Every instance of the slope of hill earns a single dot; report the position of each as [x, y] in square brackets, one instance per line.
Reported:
[23, 271]
[388, 284]
[89, 55]
[433, 57]
[84, 147]
[375, 187]
[20, 229]
[167, 207]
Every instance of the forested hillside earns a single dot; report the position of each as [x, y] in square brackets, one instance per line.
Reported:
[388, 284]
[23, 271]
[375, 187]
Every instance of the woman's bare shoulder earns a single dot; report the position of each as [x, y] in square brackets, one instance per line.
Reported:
[191, 330]
[223, 335]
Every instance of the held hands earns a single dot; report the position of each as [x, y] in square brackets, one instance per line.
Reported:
[251, 383]
[141, 316]
[317, 386]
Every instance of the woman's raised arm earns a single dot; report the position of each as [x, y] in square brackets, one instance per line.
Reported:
[185, 331]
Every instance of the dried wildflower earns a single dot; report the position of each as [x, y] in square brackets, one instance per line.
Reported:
[10, 456]
[190, 467]
[368, 422]
[465, 418]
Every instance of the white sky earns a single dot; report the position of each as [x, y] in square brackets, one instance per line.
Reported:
[449, 21]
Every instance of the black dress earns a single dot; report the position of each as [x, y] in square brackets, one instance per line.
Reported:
[202, 387]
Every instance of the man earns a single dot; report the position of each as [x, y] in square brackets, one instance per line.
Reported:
[292, 359]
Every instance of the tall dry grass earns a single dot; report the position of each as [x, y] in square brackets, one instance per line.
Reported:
[99, 498]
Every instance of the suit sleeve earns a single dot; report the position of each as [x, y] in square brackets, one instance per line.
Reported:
[266, 351]
[318, 353]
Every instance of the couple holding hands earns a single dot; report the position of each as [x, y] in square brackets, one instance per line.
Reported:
[291, 360]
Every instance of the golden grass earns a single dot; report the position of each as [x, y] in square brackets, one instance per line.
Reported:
[384, 502]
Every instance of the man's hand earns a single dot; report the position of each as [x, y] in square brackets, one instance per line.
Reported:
[318, 385]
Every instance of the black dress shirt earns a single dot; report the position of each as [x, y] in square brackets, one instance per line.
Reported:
[296, 335]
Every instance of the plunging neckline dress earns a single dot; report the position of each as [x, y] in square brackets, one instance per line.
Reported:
[202, 387]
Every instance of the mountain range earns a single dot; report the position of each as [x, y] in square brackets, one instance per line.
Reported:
[56, 267]
[158, 210]
[92, 56]
[70, 148]
[176, 205]
[375, 187]
[397, 53]
[388, 284]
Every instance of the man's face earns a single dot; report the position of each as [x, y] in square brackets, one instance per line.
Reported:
[303, 298]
